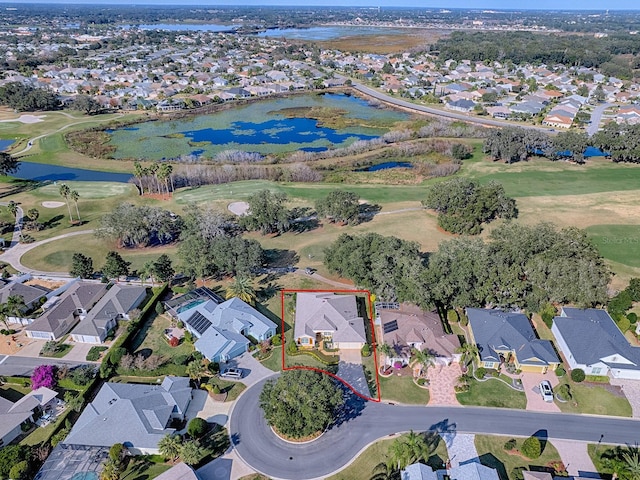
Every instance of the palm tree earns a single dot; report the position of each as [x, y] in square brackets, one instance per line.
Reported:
[74, 195]
[386, 350]
[241, 288]
[153, 170]
[423, 358]
[139, 172]
[65, 191]
[111, 471]
[632, 461]
[13, 208]
[4, 314]
[469, 353]
[164, 173]
[384, 471]
[16, 305]
[190, 453]
[413, 448]
[169, 446]
[196, 370]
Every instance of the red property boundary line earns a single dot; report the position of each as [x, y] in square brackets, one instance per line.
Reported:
[373, 341]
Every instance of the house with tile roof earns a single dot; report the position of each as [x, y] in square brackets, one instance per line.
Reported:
[408, 327]
[503, 337]
[113, 306]
[14, 415]
[222, 329]
[136, 415]
[65, 311]
[590, 340]
[328, 317]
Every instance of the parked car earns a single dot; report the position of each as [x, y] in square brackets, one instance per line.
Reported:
[546, 391]
[233, 373]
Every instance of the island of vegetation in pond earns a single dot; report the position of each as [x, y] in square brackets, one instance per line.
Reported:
[301, 122]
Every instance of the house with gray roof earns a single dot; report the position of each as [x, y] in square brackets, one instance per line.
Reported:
[222, 329]
[590, 340]
[66, 310]
[473, 470]
[31, 294]
[14, 415]
[136, 415]
[322, 316]
[113, 306]
[503, 337]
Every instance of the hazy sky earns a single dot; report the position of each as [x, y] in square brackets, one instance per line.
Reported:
[498, 4]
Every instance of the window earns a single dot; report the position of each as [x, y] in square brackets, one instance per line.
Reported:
[304, 340]
[596, 370]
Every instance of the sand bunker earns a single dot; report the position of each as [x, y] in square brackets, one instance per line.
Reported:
[26, 119]
[52, 204]
[239, 208]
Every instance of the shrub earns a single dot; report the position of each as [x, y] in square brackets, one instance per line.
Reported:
[481, 372]
[197, 427]
[547, 312]
[421, 381]
[180, 324]
[215, 389]
[188, 337]
[116, 452]
[93, 355]
[578, 375]
[366, 350]
[464, 320]
[531, 448]
[560, 371]
[82, 375]
[116, 354]
[452, 316]
[292, 348]
[159, 308]
[20, 471]
[633, 318]
[43, 376]
[564, 392]
[214, 367]
[510, 444]
[276, 340]
[516, 473]
[174, 341]
[623, 323]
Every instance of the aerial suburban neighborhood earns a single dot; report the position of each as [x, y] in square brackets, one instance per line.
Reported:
[304, 242]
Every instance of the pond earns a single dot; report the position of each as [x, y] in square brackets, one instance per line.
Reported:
[327, 33]
[386, 166]
[42, 172]
[5, 144]
[266, 127]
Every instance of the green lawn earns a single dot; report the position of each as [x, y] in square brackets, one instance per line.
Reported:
[151, 336]
[600, 455]
[61, 350]
[13, 391]
[232, 389]
[142, 468]
[403, 390]
[274, 362]
[618, 243]
[492, 454]
[363, 465]
[594, 399]
[492, 393]
[39, 435]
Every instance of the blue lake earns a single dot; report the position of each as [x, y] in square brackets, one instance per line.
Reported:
[262, 126]
[327, 33]
[41, 172]
[386, 166]
[4, 144]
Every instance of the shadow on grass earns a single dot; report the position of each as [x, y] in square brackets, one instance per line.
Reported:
[489, 460]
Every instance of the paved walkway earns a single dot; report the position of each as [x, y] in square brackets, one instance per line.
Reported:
[442, 382]
[631, 389]
[461, 448]
[320, 278]
[227, 467]
[531, 384]
[575, 458]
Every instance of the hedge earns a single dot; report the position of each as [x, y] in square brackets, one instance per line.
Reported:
[322, 358]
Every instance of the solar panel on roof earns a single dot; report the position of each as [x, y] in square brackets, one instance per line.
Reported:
[391, 326]
[199, 322]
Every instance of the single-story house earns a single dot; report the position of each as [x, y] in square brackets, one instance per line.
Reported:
[590, 340]
[136, 415]
[509, 337]
[113, 306]
[222, 329]
[31, 294]
[65, 311]
[461, 105]
[328, 317]
[408, 327]
[14, 415]
[466, 471]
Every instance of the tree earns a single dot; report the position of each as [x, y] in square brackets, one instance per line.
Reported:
[422, 358]
[16, 305]
[570, 144]
[385, 471]
[20, 471]
[386, 350]
[267, 213]
[190, 452]
[74, 401]
[8, 164]
[578, 375]
[469, 352]
[65, 191]
[531, 447]
[13, 208]
[196, 370]
[11, 455]
[300, 402]
[33, 214]
[74, 196]
[115, 266]
[81, 266]
[43, 376]
[197, 427]
[5, 312]
[340, 206]
[110, 470]
[242, 288]
[86, 104]
[139, 172]
[410, 449]
[162, 268]
[169, 446]
[117, 452]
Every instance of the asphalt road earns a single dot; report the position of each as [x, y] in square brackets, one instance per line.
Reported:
[440, 112]
[11, 365]
[256, 444]
[596, 117]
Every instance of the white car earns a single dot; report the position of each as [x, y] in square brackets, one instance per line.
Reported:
[233, 373]
[546, 391]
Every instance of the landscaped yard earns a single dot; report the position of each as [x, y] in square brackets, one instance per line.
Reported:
[142, 467]
[492, 393]
[362, 467]
[403, 390]
[594, 399]
[232, 389]
[151, 336]
[492, 454]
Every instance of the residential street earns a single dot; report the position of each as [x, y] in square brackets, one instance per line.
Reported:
[13, 365]
[262, 450]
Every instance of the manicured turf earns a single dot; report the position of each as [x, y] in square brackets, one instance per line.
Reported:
[88, 190]
[403, 390]
[594, 399]
[492, 454]
[492, 393]
[619, 243]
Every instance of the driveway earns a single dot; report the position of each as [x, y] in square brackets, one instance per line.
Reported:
[631, 389]
[461, 448]
[253, 370]
[531, 384]
[79, 351]
[350, 370]
[575, 458]
[442, 382]
[227, 467]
